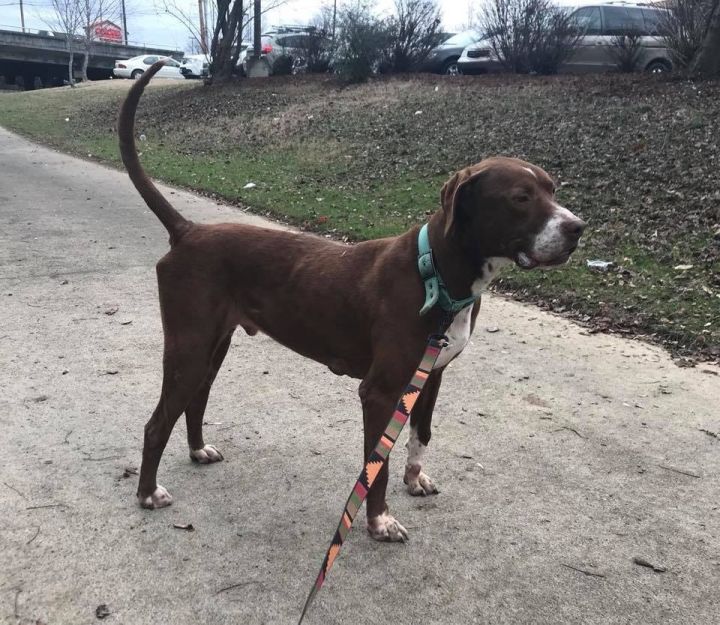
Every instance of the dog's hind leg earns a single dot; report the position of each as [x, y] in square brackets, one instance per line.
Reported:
[195, 411]
[418, 483]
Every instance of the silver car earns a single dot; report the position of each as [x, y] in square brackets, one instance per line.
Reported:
[600, 23]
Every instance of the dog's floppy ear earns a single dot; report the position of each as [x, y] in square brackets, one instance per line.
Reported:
[450, 192]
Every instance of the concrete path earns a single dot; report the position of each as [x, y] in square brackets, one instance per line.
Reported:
[561, 456]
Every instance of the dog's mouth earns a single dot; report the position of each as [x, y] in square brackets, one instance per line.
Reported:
[526, 261]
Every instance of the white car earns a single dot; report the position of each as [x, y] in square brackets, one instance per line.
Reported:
[136, 66]
[195, 66]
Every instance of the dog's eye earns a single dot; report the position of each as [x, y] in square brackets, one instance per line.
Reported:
[522, 197]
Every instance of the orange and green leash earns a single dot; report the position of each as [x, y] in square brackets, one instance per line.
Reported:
[377, 459]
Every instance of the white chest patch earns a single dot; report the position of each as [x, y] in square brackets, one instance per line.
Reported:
[458, 336]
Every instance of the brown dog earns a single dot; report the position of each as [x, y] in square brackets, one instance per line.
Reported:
[353, 308]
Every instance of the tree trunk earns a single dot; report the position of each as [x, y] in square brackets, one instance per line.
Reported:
[86, 59]
[707, 59]
[71, 77]
[226, 33]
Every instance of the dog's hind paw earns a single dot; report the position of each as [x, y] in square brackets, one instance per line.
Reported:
[419, 484]
[386, 529]
[159, 499]
[206, 455]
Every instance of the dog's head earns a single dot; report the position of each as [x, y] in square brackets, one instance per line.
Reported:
[505, 207]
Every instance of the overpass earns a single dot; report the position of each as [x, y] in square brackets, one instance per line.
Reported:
[40, 58]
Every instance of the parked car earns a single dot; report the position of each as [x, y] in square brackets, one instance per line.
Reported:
[283, 48]
[600, 24]
[136, 66]
[195, 66]
[443, 58]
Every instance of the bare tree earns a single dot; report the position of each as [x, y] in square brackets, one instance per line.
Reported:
[66, 19]
[91, 13]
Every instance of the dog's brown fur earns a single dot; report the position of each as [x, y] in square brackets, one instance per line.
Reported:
[353, 308]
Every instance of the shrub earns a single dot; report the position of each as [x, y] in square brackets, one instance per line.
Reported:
[684, 25]
[529, 35]
[411, 33]
[360, 45]
[625, 50]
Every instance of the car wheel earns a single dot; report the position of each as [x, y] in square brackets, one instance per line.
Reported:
[136, 74]
[450, 68]
[658, 67]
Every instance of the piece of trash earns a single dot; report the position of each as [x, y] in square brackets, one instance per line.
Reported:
[143, 138]
[649, 565]
[437, 88]
[250, 185]
[129, 471]
[112, 310]
[682, 267]
[126, 323]
[600, 265]
[418, 112]
[492, 329]
[188, 527]
[102, 611]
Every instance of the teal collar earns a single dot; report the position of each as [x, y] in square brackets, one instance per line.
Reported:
[435, 290]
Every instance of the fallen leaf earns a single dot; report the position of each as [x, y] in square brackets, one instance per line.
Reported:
[188, 527]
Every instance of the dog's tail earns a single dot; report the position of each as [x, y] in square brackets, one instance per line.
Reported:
[173, 221]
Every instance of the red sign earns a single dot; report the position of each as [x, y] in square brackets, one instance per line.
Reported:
[107, 31]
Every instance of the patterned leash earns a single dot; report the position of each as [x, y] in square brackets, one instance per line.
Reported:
[378, 457]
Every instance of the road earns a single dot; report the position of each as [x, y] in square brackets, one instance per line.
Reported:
[560, 456]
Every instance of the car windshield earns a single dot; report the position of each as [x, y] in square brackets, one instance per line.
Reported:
[463, 39]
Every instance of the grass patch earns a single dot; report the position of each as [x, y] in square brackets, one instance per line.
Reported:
[636, 157]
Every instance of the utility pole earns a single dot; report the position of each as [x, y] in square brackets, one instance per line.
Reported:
[257, 30]
[22, 16]
[124, 20]
[203, 27]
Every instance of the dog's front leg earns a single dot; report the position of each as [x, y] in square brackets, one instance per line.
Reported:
[419, 483]
[378, 403]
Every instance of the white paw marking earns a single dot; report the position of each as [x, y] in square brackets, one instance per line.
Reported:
[206, 455]
[159, 499]
[419, 484]
[386, 529]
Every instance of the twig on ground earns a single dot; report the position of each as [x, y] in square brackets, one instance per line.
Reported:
[710, 433]
[48, 505]
[573, 430]
[238, 585]
[37, 533]
[65, 440]
[649, 565]
[15, 489]
[583, 571]
[688, 473]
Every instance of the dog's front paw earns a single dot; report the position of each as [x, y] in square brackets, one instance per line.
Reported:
[158, 499]
[206, 455]
[385, 528]
[418, 483]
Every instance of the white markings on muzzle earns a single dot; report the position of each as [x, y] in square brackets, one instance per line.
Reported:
[551, 241]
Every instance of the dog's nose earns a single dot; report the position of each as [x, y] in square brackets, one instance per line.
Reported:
[574, 228]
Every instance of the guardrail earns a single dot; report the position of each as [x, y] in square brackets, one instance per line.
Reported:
[58, 36]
